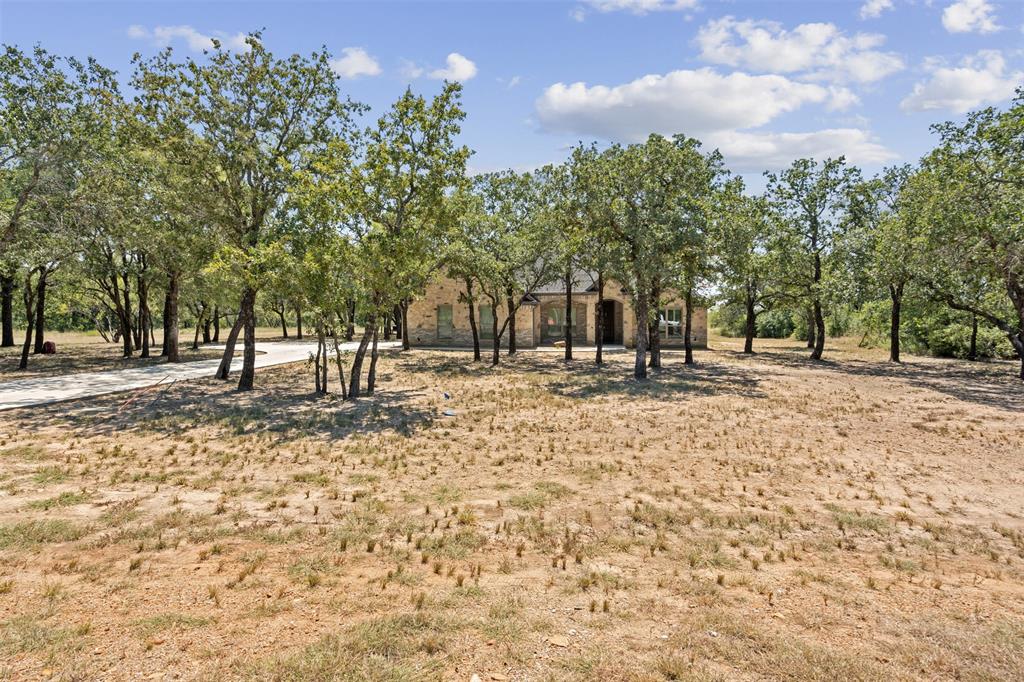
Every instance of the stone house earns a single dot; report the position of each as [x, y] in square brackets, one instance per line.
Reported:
[440, 317]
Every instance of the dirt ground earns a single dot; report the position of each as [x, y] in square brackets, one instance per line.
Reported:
[748, 518]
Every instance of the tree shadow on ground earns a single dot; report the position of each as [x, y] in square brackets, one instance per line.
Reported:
[279, 408]
[989, 384]
[582, 378]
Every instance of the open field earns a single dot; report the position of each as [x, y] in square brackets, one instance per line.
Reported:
[749, 518]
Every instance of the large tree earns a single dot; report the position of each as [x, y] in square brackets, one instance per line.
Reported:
[513, 248]
[653, 191]
[409, 161]
[812, 199]
[745, 265]
[244, 123]
[969, 193]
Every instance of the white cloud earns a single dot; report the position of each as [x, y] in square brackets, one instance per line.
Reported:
[756, 151]
[356, 62]
[719, 109]
[816, 51]
[642, 6]
[872, 9]
[979, 80]
[970, 16]
[693, 102]
[458, 68]
[163, 36]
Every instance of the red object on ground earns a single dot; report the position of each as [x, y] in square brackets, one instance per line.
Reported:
[49, 348]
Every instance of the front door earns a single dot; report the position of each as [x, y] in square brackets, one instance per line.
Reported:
[608, 326]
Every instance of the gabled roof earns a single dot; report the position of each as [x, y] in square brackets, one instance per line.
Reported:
[584, 281]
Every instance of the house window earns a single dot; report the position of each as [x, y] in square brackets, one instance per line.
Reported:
[556, 320]
[445, 328]
[671, 322]
[486, 322]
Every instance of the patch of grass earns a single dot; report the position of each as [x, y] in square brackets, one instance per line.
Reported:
[390, 649]
[147, 627]
[29, 533]
[48, 475]
[846, 519]
[65, 499]
[27, 633]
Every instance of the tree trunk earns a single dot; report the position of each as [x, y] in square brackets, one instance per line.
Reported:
[166, 319]
[405, 324]
[371, 374]
[1018, 344]
[642, 326]
[337, 360]
[599, 317]
[472, 320]
[40, 325]
[819, 331]
[350, 327]
[396, 315]
[811, 336]
[216, 324]
[171, 319]
[896, 293]
[7, 310]
[229, 348]
[199, 325]
[129, 331]
[144, 316]
[248, 313]
[357, 363]
[568, 316]
[687, 344]
[320, 361]
[496, 355]
[972, 354]
[654, 332]
[284, 325]
[388, 320]
[750, 328]
[28, 296]
[298, 323]
[511, 326]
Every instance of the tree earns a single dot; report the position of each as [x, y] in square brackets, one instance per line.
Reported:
[812, 201]
[652, 191]
[512, 248]
[886, 242]
[968, 196]
[48, 116]
[243, 124]
[745, 265]
[409, 162]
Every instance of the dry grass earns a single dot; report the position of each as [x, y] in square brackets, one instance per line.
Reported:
[749, 518]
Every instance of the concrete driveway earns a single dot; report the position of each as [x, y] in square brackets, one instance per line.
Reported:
[55, 389]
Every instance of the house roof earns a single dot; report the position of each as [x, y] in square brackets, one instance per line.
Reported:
[584, 281]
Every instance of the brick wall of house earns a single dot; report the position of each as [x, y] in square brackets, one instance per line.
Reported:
[422, 317]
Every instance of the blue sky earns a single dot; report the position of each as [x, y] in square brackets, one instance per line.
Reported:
[765, 82]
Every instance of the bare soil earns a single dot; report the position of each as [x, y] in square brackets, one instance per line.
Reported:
[748, 518]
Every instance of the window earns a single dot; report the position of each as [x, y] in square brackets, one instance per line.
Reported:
[671, 322]
[486, 325]
[556, 319]
[444, 322]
